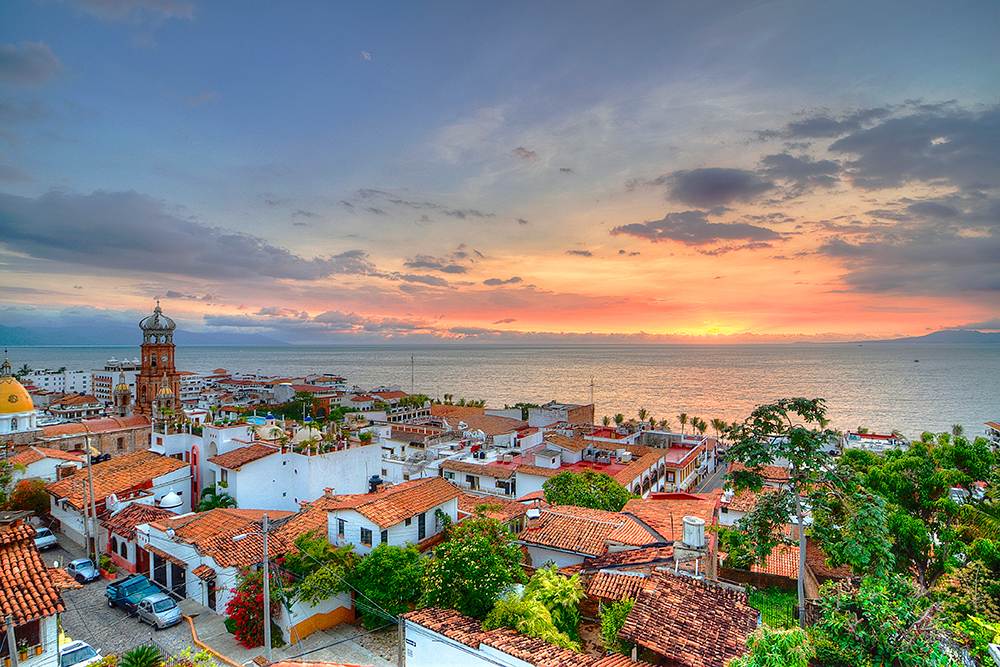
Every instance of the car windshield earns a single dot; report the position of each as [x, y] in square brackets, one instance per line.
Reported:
[77, 655]
[44, 532]
[163, 605]
[82, 564]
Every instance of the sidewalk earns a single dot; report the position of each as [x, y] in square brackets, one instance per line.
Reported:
[211, 631]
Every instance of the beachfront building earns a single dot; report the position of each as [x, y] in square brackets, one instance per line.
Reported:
[873, 442]
[993, 432]
[60, 381]
[104, 380]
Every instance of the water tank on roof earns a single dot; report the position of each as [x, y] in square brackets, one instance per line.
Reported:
[171, 501]
[626, 457]
[694, 532]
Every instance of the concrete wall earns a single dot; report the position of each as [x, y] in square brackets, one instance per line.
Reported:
[398, 535]
[540, 556]
[305, 619]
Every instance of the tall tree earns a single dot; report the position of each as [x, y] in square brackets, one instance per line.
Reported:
[789, 429]
[718, 425]
[643, 414]
[619, 418]
[606, 421]
[596, 490]
[683, 419]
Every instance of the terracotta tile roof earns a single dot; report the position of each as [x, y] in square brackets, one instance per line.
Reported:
[457, 411]
[666, 515]
[619, 660]
[406, 500]
[74, 399]
[124, 522]
[235, 459]
[783, 562]
[27, 592]
[690, 622]
[204, 572]
[637, 468]
[744, 501]
[632, 534]
[532, 650]
[119, 476]
[631, 558]
[534, 495]
[313, 518]
[166, 556]
[527, 469]
[35, 454]
[616, 585]
[509, 509]
[63, 580]
[212, 532]
[309, 663]
[489, 424]
[774, 474]
[816, 560]
[569, 444]
[450, 623]
[467, 467]
[575, 529]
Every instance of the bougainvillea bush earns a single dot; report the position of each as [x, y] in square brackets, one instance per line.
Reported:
[246, 608]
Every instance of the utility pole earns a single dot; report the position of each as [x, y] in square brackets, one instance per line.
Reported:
[11, 641]
[267, 598]
[92, 529]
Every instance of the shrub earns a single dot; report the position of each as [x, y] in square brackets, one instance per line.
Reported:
[612, 619]
[146, 655]
[774, 647]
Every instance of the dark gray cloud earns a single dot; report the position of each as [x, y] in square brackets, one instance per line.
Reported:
[298, 324]
[14, 175]
[135, 10]
[494, 282]
[370, 195]
[933, 210]
[13, 111]
[304, 214]
[580, 253]
[991, 324]
[506, 320]
[716, 186]
[948, 146]
[523, 153]
[433, 281]
[521, 221]
[376, 211]
[443, 265]
[630, 254]
[824, 126]
[462, 214]
[693, 228]
[565, 170]
[130, 231]
[802, 170]
[28, 65]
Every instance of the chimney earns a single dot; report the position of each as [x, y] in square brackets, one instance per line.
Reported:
[374, 484]
[328, 492]
[534, 514]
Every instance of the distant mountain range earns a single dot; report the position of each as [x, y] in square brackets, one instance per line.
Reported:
[959, 336]
[118, 336]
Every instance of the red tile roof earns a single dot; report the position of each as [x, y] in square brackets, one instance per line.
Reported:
[35, 454]
[665, 513]
[120, 475]
[313, 518]
[816, 560]
[63, 580]
[405, 500]
[774, 474]
[616, 585]
[27, 592]
[459, 411]
[508, 509]
[124, 522]
[692, 623]
[569, 444]
[783, 562]
[497, 472]
[203, 572]
[631, 558]
[237, 458]
[212, 532]
[578, 530]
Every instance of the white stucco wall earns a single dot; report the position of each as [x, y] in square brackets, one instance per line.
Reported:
[540, 556]
[426, 648]
[398, 535]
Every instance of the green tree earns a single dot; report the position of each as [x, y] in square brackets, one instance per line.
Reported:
[719, 425]
[596, 490]
[29, 495]
[775, 647]
[606, 421]
[612, 619]
[619, 418]
[388, 580]
[560, 595]
[212, 498]
[469, 570]
[524, 407]
[786, 429]
[529, 617]
[884, 621]
[683, 419]
[643, 414]
[145, 655]
[547, 609]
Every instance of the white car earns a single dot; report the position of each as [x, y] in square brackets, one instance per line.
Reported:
[77, 654]
[45, 539]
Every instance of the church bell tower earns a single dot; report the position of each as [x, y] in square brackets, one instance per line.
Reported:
[158, 370]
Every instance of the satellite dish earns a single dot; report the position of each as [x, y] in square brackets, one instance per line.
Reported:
[112, 501]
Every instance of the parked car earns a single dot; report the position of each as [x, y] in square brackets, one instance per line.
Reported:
[77, 654]
[83, 570]
[45, 539]
[159, 610]
[129, 592]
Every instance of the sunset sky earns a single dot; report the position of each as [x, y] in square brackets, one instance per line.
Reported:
[504, 171]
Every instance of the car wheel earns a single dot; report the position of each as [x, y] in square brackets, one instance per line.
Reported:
[81, 579]
[110, 603]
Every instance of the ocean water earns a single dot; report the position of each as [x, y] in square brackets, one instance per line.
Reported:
[912, 388]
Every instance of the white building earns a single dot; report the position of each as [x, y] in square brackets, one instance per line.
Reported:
[104, 380]
[399, 515]
[65, 382]
[45, 463]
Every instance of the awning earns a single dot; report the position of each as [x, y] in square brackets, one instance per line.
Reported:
[203, 572]
[163, 554]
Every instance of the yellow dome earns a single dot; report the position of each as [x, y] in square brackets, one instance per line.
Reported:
[165, 391]
[14, 398]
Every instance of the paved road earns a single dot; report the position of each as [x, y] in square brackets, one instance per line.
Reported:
[108, 630]
[716, 481]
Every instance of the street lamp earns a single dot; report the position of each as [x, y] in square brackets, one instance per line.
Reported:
[267, 588]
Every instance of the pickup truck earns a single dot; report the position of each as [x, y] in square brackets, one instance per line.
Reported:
[129, 592]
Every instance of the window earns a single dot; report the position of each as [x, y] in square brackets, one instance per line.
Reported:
[472, 481]
[406, 478]
[408, 521]
[341, 524]
[121, 444]
[13, 424]
[670, 475]
[725, 510]
[385, 537]
[422, 526]
[366, 537]
[449, 475]
[124, 547]
[225, 476]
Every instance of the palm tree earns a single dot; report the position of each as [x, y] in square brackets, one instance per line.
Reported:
[606, 420]
[957, 430]
[643, 413]
[619, 418]
[25, 369]
[701, 426]
[665, 425]
[683, 418]
[718, 425]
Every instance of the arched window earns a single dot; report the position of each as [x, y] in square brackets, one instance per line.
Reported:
[13, 423]
[124, 549]
[114, 544]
